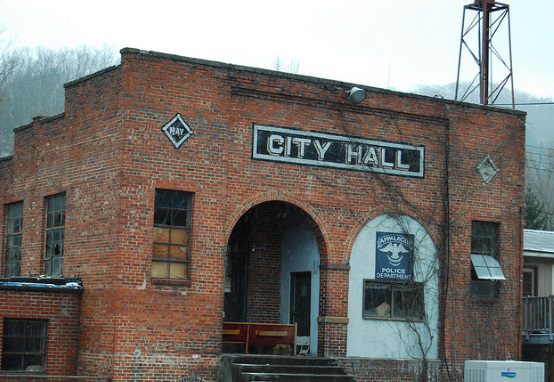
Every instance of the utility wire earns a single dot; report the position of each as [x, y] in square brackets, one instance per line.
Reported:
[523, 104]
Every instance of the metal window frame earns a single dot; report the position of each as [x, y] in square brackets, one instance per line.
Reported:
[392, 287]
[187, 227]
[8, 259]
[48, 259]
[42, 353]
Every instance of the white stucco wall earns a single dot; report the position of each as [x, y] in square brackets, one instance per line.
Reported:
[374, 338]
[300, 254]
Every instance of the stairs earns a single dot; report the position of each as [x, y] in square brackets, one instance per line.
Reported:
[246, 368]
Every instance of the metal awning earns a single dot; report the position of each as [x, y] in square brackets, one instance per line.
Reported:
[487, 267]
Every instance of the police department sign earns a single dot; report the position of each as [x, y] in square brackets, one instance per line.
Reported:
[279, 144]
[393, 256]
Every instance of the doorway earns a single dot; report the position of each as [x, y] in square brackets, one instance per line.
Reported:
[272, 269]
[300, 302]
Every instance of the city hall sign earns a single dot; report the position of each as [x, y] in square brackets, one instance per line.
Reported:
[286, 145]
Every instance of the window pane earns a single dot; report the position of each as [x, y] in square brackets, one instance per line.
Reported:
[179, 218]
[12, 344]
[408, 302]
[14, 225]
[478, 261]
[484, 238]
[160, 250]
[497, 274]
[48, 266]
[181, 200]
[178, 252]
[57, 249]
[35, 328]
[161, 235]
[13, 327]
[179, 236]
[12, 362]
[14, 241]
[177, 270]
[377, 300]
[163, 198]
[56, 267]
[13, 269]
[160, 269]
[58, 219]
[33, 363]
[49, 220]
[162, 216]
[33, 345]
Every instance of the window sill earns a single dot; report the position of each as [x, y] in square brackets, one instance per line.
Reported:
[171, 282]
[399, 319]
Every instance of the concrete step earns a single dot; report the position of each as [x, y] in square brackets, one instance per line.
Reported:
[246, 368]
[280, 360]
[286, 377]
[289, 368]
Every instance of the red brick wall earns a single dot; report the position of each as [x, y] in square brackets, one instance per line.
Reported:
[61, 310]
[108, 154]
[264, 273]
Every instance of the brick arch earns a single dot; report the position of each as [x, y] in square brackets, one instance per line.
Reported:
[279, 196]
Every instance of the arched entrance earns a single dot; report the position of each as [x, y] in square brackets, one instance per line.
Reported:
[272, 269]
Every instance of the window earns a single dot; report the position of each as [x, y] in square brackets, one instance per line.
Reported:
[55, 222]
[529, 281]
[393, 300]
[486, 270]
[24, 345]
[172, 231]
[14, 229]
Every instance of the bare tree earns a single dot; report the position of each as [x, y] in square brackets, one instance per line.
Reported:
[7, 63]
[32, 83]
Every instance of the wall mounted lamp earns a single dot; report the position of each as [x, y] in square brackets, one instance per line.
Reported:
[356, 95]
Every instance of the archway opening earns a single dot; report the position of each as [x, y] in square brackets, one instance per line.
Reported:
[272, 270]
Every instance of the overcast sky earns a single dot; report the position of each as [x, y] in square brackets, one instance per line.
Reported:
[396, 44]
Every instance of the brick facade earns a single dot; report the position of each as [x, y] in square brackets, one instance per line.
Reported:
[61, 311]
[108, 154]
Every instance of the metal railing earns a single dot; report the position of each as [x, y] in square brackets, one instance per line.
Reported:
[537, 319]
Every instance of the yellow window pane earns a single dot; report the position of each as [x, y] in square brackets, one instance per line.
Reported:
[160, 250]
[178, 252]
[179, 236]
[161, 235]
[177, 270]
[160, 269]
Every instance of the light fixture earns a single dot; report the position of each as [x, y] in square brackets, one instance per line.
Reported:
[356, 95]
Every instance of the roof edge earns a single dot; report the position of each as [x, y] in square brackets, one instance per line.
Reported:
[306, 78]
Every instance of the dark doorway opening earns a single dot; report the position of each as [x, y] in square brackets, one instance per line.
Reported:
[300, 302]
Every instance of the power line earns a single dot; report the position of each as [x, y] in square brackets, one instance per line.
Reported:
[524, 104]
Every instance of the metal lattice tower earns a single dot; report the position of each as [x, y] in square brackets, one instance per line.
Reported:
[482, 39]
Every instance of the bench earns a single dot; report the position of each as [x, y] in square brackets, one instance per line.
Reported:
[252, 334]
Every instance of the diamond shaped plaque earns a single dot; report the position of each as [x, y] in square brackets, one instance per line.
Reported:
[487, 169]
[177, 131]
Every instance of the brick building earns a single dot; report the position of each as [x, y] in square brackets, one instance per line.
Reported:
[174, 194]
